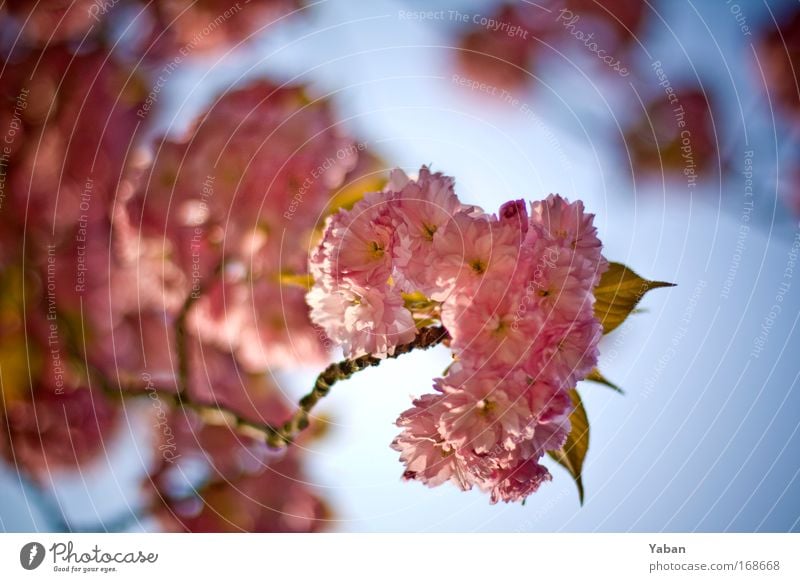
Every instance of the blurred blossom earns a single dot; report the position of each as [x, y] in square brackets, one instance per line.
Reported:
[70, 118]
[498, 58]
[108, 243]
[674, 138]
[44, 22]
[155, 29]
[184, 26]
[242, 487]
[505, 47]
[55, 429]
[614, 22]
[236, 204]
[779, 57]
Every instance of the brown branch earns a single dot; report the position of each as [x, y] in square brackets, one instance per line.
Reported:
[427, 337]
[181, 335]
[215, 414]
[181, 346]
[284, 435]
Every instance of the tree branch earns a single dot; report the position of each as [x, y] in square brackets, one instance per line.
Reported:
[181, 336]
[427, 337]
[283, 435]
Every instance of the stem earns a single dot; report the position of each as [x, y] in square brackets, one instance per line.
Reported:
[181, 346]
[181, 349]
[215, 414]
[284, 435]
[427, 337]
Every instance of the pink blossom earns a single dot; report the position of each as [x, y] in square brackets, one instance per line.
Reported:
[427, 457]
[380, 321]
[57, 429]
[516, 296]
[572, 227]
[493, 327]
[423, 206]
[515, 213]
[357, 245]
[484, 428]
[471, 250]
[328, 310]
[560, 282]
[483, 409]
[516, 483]
[550, 403]
[566, 353]
[363, 320]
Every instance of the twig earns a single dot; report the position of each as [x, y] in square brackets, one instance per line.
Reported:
[181, 346]
[278, 437]
[284, 435]
[427, 337]
[215, 414]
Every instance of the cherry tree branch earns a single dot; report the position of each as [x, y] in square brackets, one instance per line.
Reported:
[181, 335]
[427, 338]
[283, 435]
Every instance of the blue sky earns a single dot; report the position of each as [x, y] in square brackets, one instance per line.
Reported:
[705, 437]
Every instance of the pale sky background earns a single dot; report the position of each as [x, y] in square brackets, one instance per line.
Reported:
[705, 437]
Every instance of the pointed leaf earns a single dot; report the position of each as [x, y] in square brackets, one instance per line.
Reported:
[572, 454]
[618, 293]
[596, 376]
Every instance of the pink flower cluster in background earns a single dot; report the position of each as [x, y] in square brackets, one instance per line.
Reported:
[515, 293]
[102, 246]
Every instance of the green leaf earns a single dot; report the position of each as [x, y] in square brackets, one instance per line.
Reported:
[294, 280]
[347, 196]
[618, 293]
[417, 301]
[596, 376]
[572, 454]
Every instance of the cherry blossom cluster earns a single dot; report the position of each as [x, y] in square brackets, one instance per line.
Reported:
[104, 247]
[515, 292]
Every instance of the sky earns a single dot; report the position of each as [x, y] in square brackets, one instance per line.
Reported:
[705, 436]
